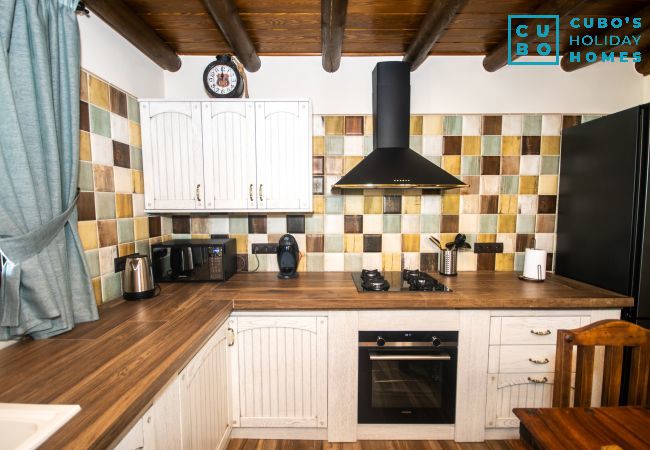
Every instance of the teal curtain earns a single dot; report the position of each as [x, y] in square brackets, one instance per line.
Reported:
[45, 288]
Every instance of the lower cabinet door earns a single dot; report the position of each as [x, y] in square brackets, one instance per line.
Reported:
[204, 396]
[162, 422]
[279, 365]
[516, 390]
[133, 440]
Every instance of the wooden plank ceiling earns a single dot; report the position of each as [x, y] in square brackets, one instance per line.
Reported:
[373, 27]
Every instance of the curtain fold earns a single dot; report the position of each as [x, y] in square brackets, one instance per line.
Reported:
[45, 288]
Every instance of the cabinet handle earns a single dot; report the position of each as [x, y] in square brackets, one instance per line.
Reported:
[540, 333]
[261, 192]
[250, 192]
[198, 192]
[231, 337]
[539, 361]
[537, 380]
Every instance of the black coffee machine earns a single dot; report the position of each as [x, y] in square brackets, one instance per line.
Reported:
[288, 257]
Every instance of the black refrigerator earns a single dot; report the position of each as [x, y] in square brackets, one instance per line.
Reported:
[603, 224]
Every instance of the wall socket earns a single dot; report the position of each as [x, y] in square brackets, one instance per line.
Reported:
[488, 247]
[264, 249]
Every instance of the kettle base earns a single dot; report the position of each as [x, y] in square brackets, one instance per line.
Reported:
[139, 295]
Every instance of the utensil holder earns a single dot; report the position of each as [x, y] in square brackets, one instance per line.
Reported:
[448, 262]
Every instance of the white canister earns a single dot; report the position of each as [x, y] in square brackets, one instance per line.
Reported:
[535, 264]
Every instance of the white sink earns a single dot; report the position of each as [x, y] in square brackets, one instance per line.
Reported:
[25, 427]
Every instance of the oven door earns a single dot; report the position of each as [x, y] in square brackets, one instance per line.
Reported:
[414, 385]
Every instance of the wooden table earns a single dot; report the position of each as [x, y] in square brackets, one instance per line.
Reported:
[585, 428]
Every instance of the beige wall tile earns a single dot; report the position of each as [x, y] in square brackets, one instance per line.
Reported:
[432, 125]
[135, 136]
[548, 184]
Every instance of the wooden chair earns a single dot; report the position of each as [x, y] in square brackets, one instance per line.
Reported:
[614, 335]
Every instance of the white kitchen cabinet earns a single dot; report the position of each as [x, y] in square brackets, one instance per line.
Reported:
[172, 155]
[162, 422]
[283, 162]
[134, 438]
[279, 369]
[204, 396]
[227, 156]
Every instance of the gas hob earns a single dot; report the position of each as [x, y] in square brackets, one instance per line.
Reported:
[406, 280]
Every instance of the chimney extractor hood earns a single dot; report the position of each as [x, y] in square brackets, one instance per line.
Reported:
[392, 164]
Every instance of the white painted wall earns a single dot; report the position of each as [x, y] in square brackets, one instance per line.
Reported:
[108, 55]
[456, 84]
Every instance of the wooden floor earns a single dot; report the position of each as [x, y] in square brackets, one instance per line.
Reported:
[258, 444]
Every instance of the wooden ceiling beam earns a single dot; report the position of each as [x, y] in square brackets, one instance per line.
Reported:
[440, 15]
[332, 26]
[226, 16]
[643, 66]
[498, 56]
[119, 17]
[627, 29]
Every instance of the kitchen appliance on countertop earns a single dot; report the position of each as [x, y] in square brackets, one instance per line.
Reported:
[288, 257]
[137, 278]
[406, 280]
[194, 260]
[407, 376]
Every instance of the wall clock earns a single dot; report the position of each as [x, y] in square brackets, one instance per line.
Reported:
[223, 79]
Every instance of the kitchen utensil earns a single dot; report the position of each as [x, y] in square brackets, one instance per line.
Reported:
[137, 278]
[448, 262]
[436, 241]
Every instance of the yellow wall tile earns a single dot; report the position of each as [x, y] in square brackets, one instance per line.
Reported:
[471, 145]
[135, 136]
[88, 234]
[373, 204]
[432, 125]
[319, 204]
[97, 289]
[354, 243]
[510, 145]
[507, 223]
[334, 125]
[126, 249]
[318, 145]
[450, 204]
[410, 242]
[391, 262]
[141, 228]
[124, 205]
[411, 204]
[548, 184]
[550, 145]
[350, 161]
[98, 92]
[241, 241]
[415, 126]
[486, 237]
[507, 204]
[447, 237]
[451, 164]
[84, 146]
[367, 125]
[138, 182]
[504, 262]
[528, 184]
[83, 86]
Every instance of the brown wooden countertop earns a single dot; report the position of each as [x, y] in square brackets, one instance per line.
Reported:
[471, 290]
[114, 367]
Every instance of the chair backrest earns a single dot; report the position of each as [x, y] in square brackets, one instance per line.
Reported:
[614, 335]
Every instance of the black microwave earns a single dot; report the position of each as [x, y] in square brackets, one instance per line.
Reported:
[194, 260]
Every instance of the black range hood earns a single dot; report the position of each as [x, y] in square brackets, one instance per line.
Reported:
[392, 164]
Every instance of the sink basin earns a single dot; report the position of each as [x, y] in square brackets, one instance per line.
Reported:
[25, 427]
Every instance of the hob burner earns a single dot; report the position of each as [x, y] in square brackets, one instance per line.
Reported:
[407, 280]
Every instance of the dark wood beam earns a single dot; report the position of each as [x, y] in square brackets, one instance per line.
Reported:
[119, 17]
[226, 16]
[498, 56]
[627, 29]
[440, 15]
[332, 26]
[643, 66]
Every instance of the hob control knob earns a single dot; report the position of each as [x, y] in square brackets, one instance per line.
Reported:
[435, 341]
[380, 341]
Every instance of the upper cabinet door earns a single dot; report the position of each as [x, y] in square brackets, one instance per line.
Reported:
[172, 155]
[229, 154]
[284, 167]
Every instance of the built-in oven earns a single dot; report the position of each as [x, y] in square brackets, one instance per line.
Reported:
[407, 377]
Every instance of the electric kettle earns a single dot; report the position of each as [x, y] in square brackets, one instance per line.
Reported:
[137, 278]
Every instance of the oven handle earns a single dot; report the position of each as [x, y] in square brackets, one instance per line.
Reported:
[376, 357]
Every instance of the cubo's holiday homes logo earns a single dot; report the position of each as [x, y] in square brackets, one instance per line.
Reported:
[587, 39]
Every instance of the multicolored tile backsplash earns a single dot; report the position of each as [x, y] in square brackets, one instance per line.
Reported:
[511, 163]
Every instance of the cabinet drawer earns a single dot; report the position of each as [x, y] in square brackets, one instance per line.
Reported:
[531, 330]
[522, 358]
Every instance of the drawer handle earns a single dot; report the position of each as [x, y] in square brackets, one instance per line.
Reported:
[539, 361]
[250, 192]
[540, 333]
[538, 380]
[198, 192]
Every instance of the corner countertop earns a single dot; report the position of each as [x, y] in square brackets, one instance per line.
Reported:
[114, 367]
[470, 290]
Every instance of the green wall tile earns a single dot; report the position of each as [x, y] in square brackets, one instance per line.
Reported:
[550, 165]
[509, 184]
[470, 165]
[532, 125]
[92, 261]
[430, 223]
[487, 223]
[392, 223]
[334, 243]
[333, 145]
[86, 176]
[100, 121]
[452, 125]
[491, 145]
[125, 231]
[104, 205]
[238, 225]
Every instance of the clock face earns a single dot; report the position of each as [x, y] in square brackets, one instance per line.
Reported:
[221, 79]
